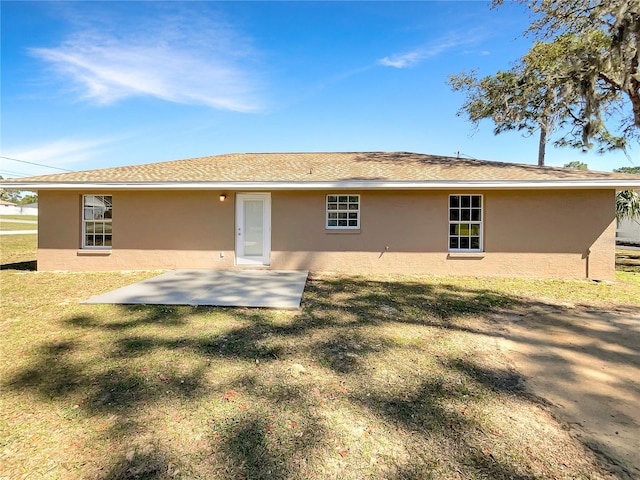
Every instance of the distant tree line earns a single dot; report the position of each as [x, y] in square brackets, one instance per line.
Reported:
[17, 196]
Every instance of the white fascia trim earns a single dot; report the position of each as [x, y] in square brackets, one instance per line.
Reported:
[349, 184]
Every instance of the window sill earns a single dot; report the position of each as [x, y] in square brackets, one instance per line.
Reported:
[346, 231]
[94, 252]
[466, 255]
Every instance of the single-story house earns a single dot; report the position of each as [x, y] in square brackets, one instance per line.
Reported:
[343, 212]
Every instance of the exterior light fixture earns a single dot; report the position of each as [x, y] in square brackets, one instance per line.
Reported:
[223, 197]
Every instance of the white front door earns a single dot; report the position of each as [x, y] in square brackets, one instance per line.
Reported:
[253, 228]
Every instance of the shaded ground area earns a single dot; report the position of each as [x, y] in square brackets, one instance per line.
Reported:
[395, 378]
[586, 363]
[398, 378]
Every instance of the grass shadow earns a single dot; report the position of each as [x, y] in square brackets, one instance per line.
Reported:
[250, 453]
[425, 411]
[134, 316]
[146, 462]
[30, 265]
[115, 364]
[498, 380]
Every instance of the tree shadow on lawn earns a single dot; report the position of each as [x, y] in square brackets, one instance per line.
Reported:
[146, 462]
[257, 445]
[335, 331]
[135, 316]
[424, 410]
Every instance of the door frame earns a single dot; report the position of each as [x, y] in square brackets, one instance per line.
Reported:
[265, 260]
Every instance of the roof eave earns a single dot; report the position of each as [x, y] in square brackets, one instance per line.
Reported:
[331, 185]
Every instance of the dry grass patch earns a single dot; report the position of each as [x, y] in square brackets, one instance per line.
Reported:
[19, 217]
[18, 252]
[376, 377]
[397, 379]
[8, 226]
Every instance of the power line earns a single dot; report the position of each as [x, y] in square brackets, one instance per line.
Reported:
[460, 154]
[33, 163]
[9, 172]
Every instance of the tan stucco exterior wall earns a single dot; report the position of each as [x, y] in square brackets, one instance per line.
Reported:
[558, 234]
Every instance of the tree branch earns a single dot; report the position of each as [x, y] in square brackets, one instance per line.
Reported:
[609, 81]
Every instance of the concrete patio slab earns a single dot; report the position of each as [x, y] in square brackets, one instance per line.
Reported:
[280, 289]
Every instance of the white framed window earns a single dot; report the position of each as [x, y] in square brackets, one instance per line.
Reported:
[465, 223]
[343, 212]
[97, 214]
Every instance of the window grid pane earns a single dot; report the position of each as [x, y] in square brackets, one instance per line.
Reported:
[343, 211]
[97, 212]
[465, 222]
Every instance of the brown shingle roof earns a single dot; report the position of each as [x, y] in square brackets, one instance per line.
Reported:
[324, 167]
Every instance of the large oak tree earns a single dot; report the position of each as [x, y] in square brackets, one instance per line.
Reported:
[580, 78]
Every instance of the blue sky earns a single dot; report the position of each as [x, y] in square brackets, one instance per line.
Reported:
[102, 84]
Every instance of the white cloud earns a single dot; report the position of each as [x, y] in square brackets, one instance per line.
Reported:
[176, 58]
[59, 153]
[414, 57]
[402, 61]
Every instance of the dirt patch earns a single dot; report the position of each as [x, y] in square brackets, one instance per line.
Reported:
[585, 362]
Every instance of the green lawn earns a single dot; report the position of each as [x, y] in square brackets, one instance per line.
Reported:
[7, 222]
[18, 252]
[375, 377]
[18, 217]
[7, 225]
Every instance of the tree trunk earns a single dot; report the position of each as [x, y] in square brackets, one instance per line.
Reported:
[543, 142]
[634, 95]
